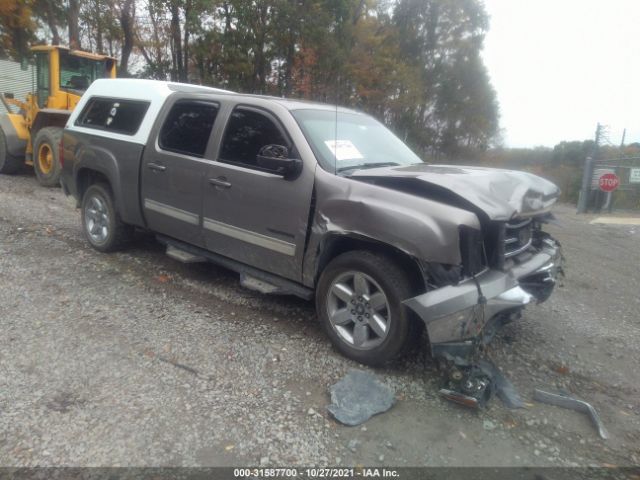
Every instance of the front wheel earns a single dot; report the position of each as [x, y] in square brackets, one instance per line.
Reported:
[100, 222]
[46, 156]
[359, 302]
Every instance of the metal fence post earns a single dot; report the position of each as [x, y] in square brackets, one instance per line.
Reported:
[587, 173]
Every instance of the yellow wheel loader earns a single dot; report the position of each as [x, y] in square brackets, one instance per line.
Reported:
[32, 136]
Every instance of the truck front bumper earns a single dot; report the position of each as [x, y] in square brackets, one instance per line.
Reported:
[459, 317]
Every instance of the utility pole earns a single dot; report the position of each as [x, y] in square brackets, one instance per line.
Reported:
[587, 173]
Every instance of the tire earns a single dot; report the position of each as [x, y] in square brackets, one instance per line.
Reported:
[8, 163]
[101, 223]
[349, 319]
[46, 156]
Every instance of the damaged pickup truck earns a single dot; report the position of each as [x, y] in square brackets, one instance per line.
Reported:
[315, 201]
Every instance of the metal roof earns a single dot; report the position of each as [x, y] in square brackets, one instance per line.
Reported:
[17, 81]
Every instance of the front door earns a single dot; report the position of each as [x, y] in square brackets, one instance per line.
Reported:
[251, 214]
[174, 171]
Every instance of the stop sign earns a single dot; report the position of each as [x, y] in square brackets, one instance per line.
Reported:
[609, 182]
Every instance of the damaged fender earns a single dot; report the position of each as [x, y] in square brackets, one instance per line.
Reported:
[420, 227]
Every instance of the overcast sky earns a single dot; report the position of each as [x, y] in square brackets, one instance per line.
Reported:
[561, 66]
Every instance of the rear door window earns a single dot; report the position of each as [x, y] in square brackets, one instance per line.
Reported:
[188, 126]
[120, 116]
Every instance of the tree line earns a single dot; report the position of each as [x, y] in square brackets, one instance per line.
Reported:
[414, 64]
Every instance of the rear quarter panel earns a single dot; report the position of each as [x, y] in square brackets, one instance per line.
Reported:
[117, 160]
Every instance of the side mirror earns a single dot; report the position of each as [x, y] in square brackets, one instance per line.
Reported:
[8, 95]
[276, 158]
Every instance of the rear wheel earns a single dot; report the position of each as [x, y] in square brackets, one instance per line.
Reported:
[359, 302]
[100, 222]
[46, 156]
[8, 163]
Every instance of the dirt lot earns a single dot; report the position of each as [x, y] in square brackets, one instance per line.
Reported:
[135, 359]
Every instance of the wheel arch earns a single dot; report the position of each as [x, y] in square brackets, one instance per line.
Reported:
[86, 177]
[49, 117]
[89, 172]
[335, 244]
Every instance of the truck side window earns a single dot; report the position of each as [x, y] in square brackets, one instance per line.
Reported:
[121, 116]
[188, 126]
[247, 132]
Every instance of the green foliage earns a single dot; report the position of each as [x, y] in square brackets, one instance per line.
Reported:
[572, 153]
[16, 28]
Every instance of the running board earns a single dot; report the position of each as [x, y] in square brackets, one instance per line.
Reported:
[182, 256]
[250, 277]
[253, 283]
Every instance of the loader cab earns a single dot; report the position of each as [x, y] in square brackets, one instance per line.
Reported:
[63, 75]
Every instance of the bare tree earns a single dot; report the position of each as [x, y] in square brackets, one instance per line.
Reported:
[73, 15]
[47, 10]
[127, 23]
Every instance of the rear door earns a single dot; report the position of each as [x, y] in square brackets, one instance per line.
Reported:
[251, 214]
[174, 170]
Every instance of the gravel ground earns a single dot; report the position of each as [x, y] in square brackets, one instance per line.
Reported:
[133, 359]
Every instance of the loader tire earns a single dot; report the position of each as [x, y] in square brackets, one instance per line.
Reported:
[46, 156]
[8, 163]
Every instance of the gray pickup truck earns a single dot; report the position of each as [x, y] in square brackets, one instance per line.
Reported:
[316, 201]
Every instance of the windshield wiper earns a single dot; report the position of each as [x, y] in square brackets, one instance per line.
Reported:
[369, 165]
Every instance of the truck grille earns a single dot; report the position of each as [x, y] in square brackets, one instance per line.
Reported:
[517, 237]
[471, 248]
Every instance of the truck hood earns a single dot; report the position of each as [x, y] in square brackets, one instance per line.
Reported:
[500, 194]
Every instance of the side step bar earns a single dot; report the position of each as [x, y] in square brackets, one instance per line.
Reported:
[250, 277]
[182, 256]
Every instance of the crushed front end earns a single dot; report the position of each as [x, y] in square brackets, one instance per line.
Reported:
[504, 267]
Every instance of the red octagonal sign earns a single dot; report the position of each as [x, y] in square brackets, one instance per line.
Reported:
[609, 182]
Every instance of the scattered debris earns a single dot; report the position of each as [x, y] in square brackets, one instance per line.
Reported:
[501, 385]
[64, 401]
[170, 361]
[358, 397]
[467, 386]
[488, 425]
[572, 403]
[353, 445]
[561, 369]
[162, 278]
[472, 386]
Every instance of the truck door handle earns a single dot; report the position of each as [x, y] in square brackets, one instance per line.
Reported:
[220, 182]
[156, 167]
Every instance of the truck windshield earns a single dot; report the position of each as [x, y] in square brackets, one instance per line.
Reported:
[356, 142]
[77, 73]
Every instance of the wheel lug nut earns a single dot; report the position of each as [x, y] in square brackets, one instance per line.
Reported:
[353, 312]
[366, 315]
[359, 319]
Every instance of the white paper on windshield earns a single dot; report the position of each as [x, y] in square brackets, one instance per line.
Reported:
[343, 150]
